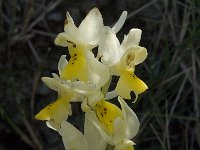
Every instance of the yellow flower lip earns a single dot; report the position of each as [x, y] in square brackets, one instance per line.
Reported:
[44, 114]
[107, 113]
[77, 66]
[130, 82]
[55, 112]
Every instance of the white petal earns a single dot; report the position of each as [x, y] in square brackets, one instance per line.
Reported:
[131, 118]
[62, 63]
[56, 85]
[94, 138]
[63, 89]
[78, 86]
[98, 72]
[91, 116]
[52, 125]
[82, 87]
[132, 39]
[69, 18]
[125, 145]
[70, 35]
[62, 39]
[66, 82]
[90, 28]
[120, 22]
[53, 84]
[119, 130]
[84, 106]
[94, 97]
[111, 95]
[109, 48]
[72, 137]
[70, 28]
[66, 40]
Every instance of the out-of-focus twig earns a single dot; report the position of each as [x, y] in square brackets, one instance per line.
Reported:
[32, 133]
[34, 51]
[158, 137]
[28, 16]
[44, 33]
[16, 129]
[40, 17]
[141, 9]
[35, 84]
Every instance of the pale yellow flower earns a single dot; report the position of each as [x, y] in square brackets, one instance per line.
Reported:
[79, 41]
[117, 126]
[59, 110]
[122, 59]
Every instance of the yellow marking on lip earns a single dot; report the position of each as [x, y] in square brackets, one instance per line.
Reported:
[107, 113]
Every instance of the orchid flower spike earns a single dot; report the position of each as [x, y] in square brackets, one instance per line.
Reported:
[85, 79]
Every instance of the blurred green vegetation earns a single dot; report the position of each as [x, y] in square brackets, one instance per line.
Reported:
[169, 111]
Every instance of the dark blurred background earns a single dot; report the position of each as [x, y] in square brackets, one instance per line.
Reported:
[169, 111]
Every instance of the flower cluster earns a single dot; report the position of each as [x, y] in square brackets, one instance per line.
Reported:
[85, 78]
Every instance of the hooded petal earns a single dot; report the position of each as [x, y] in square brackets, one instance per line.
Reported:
[129, 82]
[62, 63]
[132, 39]
[94, 138]
[98, 72]
[90, 28]
[133, 56]
[109, 48]
[139, 53]
[63, 39]
[72, 138]
[131, 119]
[120, 22]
